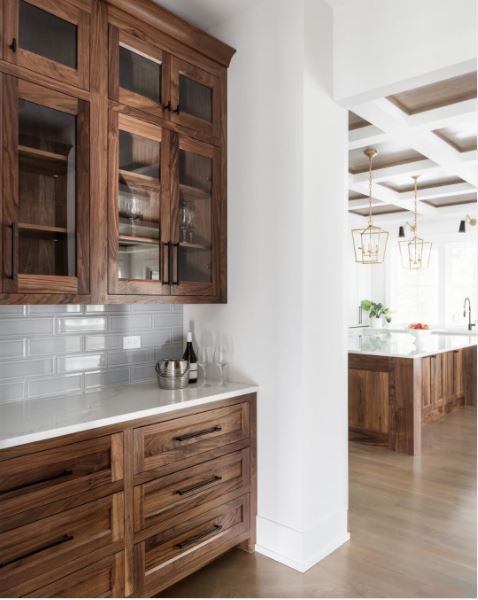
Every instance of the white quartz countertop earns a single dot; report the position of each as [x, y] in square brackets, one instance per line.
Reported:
[406, 345]
[33, 420]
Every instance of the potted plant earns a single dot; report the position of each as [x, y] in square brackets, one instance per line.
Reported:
[376, 312]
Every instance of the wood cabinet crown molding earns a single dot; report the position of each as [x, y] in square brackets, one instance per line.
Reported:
[181, 30]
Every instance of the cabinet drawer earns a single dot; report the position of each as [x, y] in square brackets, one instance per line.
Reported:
[36, 485]
[29, 555]
[103, 579]
[157, 500]
[187, 544]
[179, 439]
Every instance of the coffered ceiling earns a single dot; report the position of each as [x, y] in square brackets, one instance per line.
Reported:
[429, 131]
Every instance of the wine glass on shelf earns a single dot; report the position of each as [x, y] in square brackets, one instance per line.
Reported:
[205, 358]
[220, 358]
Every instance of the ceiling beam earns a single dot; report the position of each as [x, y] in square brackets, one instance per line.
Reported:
[389, 118]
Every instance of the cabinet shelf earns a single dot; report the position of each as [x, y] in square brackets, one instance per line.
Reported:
[193, 192]
[133, 239]
[42, 231]
[42, 154]
[192, 246]
[139, 179]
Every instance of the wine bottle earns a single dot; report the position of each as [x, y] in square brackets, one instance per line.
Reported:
[191, 357]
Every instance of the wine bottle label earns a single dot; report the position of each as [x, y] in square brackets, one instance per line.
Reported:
[193, 372]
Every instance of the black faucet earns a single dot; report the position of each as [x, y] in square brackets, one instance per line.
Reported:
[470, 324]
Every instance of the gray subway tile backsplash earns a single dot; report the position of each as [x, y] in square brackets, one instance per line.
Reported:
[70, 349]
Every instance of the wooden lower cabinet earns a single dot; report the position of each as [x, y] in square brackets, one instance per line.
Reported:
[130, 509]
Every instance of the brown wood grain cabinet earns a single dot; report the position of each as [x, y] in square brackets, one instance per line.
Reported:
[391, 399]
[128, 510]
[114, 130]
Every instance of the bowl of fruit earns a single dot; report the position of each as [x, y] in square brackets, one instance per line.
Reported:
[419, 330]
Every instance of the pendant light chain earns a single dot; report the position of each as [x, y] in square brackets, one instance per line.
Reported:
[370, 159]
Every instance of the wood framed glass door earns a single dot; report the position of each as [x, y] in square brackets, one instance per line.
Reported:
[139, 245]
[138, 73]
[47, 37]
[46, 190]
[195, 100]
[195, 217]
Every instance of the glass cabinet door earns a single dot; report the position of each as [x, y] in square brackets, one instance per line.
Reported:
[138, 74]
[197, 219]
[46, 183]
[136, 208]
[195, 99]
[50, 38]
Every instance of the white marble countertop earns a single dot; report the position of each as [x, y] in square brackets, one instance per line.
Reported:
[33, 420]
[406, 345]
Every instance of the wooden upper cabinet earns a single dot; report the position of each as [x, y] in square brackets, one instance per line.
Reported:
[138, 73]
[50, 38]
[139, 248]
[45, 190]
[196, 100]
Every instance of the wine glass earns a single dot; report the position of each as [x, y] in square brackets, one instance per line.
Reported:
[205, 358]
[220, 358]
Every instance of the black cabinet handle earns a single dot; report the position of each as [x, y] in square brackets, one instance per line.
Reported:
[167, 247]
[14, 251]
[13, 45]
[199, 536]
[177, 110]
[64, 473]
[176, 279]
[167, 106]
[199, 485]
[57, 542]
[195, 434]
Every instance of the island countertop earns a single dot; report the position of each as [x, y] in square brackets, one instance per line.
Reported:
[29, 421]
[406, 345]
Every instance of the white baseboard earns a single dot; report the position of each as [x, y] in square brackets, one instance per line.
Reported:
[297, 549]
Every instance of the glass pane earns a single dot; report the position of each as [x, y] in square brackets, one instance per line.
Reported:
[139, 207]
[139, 155]
[138, 261]
[140, 74]
[45, 34]
[47, 190]
[195, 254]
[195, 98]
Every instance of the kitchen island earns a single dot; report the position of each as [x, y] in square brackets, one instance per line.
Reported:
[399, 382]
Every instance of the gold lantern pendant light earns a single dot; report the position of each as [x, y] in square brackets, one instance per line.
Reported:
[370, 244]
[415, 253]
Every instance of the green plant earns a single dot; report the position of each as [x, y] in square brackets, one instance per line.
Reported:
[376, 310]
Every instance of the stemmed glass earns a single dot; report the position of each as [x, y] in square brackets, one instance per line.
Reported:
[205, 358]
[220, 358]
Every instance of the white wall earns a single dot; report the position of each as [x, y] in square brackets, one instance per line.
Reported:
[382, 45]
[287, 169]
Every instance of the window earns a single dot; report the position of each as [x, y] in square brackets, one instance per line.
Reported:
[414, 294]
[460, 282]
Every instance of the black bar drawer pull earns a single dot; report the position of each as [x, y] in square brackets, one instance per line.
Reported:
[64, 473]
[14, 250]
[167, 248]
[176, 279]
[195, 434]
[57, 542]
[199, 536]
[199, 485]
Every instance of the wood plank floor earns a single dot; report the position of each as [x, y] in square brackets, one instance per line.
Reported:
[413, 526]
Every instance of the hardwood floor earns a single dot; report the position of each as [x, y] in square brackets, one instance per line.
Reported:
[413, 526]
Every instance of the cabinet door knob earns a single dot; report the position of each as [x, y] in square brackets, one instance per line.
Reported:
[13, 45]
[177, 110]
[167, 107]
